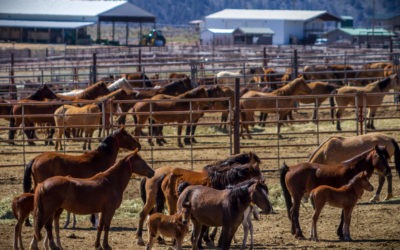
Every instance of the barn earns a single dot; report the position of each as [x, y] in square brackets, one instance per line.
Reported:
[64, 21]
[288, 26]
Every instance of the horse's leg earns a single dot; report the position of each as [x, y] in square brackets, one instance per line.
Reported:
[315, 111]
[179, 136]
[49, 140]
[246, 227]
[338, 115]
[147, 207]
[226, 236]
[317, 212]
[389, 187]
[346, 225]
[107, 222]
[49, 231]
[99, 229]
[204, 235]
[57, 227]
[67, 219]
[339, 231]
[73, 221]
[295, 212]
[187, 139]
[196, 244]
[18, 233]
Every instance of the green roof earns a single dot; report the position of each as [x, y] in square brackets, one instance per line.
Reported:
[364, 32]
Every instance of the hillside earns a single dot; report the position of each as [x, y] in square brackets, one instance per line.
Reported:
[180, 12]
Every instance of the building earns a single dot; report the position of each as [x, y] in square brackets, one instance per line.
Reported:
[64, 21]
[360, 36]
[252, 36]
[289, 26]
[389, 22]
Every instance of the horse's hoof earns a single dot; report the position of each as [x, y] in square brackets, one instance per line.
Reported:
[374, 199]
[210, 244]
[187, 141]
[180, 145]
[300, 236]
[388, 196]
[194, 140]
[140, 242]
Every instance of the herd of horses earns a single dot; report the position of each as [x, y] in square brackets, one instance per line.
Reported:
[222, 193]
[180, 101]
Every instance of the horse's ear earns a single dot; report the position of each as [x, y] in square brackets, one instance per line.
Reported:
[135, 151]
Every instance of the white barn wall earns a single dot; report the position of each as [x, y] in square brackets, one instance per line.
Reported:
[293, 28]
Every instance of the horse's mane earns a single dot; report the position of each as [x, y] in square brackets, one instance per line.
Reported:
[106, 144]
[37, 95]
[242, 158]
[288, 88]
[240, 191]
[354, 160]
[88, 92]
[384, 84]
[192, 93]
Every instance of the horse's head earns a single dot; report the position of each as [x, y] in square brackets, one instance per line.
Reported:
[394, 82]
[42, 93]
[361, 179]
[380, 160]
[125, 140]
[186, 210]
[259, 195]
[138, 166]
[302, 86]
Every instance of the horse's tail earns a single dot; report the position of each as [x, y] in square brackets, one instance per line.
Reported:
[396, 155]
[160, 198]
[27, 183]
[38, 208]
[182, 186]
[288, 199]
[332, 103]
[142, 190]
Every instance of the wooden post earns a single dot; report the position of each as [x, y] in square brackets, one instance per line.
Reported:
[13, 89]
[265, 61]
[139, 67]
[236, 126]
[295, 65]
[94, 68]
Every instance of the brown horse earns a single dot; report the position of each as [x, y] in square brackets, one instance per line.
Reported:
[371, 72]
[174, 226]
[22, 206]
[300, 179]
[86, 118]
[138, 80]
[179, 110]
[271, 102]
[346, 96]
[219, 174]
[212, 207]
[90, 93]
[344, 197]
[101, 193]
[336, 149]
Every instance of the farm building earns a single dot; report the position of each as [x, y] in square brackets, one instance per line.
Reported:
[64, 21]
[360, 36]
[288, 26]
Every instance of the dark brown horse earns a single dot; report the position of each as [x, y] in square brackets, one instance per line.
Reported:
[300, 179]
[219, 174]
[212, 207]
[101, 193]
[344, 197]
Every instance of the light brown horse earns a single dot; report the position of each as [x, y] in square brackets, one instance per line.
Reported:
[371, 72]
[346, 95]
[22, 206]
[167, 179]
[138, 80]
[173, 109]
[336, 149]
[223, 208]
[101, 193]
[90, 93]
[174, 226]
[271, 102]
[300, 179]
[344, 197]
[86, 118]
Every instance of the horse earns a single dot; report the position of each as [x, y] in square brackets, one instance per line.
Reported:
[101, 193]
[300, 179]
[138, 80]
[269, 103]
[174, 226]
[228, 77]
[22, 206]
[372, 102]
[328, 73]
[344, 197]
[188, 111]
[212, 207]
[371, 72]
[86, 118]
[336, 149]
[5, 109]
[90, 93]
[218, 174]
[177, 76]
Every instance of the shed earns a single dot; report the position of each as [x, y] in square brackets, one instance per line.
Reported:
[289, 26]
[249, 35]
[360, 36]
[64, 21]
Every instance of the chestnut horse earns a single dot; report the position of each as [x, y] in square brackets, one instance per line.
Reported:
[212, 207]
[90, 93]
[300, 179]
[336, 149]
[185, 111]
[372, 102]
[138, 80]
[219, 174]
[101, 193]
[344, 197]
[271, 102]
[22, 206]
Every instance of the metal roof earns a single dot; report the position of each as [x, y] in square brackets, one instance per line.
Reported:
[221, 31]
[77, 10]
[365, 32]
[43, 24]
[292, 15]
[250, 30]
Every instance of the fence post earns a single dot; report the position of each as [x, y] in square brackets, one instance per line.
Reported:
[13, 89]
[139, 67]
[94, 68]
[236, 125]
[265, 61]
[294, 65]
[193, 73]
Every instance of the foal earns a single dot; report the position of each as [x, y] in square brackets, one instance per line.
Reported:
[22, 206]
[344, 197]
[174, 226]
